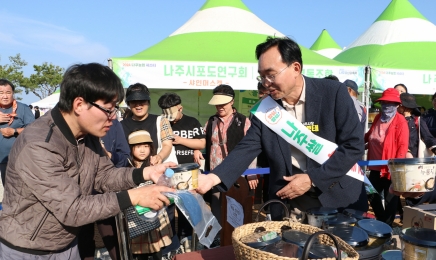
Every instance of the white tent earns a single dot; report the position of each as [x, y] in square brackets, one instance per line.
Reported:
[325, 45]
[51, 101]
[399, 47]
[48, 102]
[216, 46]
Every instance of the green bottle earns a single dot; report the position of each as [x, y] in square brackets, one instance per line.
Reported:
[142, 210]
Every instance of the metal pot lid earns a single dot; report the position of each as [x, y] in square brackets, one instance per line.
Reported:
[340, 219]
[428, 160]
[319, 251]
[186, 167]
[322, 211]
[263, 243]
[375, 228]
[357, 214]
[419, 236]
[354, 236]
[284, 249]
[391, 255]
[295, 237]
[256, 240]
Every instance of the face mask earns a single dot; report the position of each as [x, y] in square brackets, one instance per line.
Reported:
[388, 111]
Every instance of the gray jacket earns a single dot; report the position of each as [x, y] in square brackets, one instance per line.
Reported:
[50, 179]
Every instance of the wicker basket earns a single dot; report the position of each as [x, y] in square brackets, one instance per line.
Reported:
[244, 252]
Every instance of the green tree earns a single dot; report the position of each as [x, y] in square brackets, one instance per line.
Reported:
[14, 72]
[46, 79]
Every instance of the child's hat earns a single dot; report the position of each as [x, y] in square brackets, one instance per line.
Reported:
[139, 137]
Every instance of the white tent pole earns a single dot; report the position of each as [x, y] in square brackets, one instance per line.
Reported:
[365, 98]
[367, 93]
[109, 64]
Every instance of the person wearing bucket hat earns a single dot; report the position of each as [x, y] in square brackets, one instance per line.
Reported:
[415, 124]
[151, 244]
[387, 138]
[141, 149]
[223, 132]
[138, 100]
[403, 89]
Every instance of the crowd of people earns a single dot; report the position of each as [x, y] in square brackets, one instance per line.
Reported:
[79, 165]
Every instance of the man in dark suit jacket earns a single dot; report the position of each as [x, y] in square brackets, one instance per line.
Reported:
[326, 105]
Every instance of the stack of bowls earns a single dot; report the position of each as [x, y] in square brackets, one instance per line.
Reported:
[379, 234]
[339, 220]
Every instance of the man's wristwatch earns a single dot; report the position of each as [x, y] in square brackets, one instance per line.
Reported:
[15, 133]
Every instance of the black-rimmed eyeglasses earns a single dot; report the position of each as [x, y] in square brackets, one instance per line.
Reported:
[109, 113]
[270, 78]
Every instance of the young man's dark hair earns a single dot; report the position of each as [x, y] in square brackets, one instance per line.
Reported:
[331, 77]
[30, 106]
[92, 82]
[4, 82]
[288, 49]
[168, 100]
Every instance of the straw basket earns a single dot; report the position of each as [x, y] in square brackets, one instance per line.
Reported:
[244, 252]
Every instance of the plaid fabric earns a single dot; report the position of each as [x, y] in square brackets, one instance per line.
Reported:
[170, 113]
[154, 240]
[166, 132]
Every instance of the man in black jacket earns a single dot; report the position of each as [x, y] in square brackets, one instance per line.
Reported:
[321, 104]
[37, 112]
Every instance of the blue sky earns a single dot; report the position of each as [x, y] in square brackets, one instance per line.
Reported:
[67, 32]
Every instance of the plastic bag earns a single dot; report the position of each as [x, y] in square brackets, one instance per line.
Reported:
[198, 214]
[369, 188]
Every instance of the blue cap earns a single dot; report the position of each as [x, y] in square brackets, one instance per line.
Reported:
[350, 83]
[169, 172]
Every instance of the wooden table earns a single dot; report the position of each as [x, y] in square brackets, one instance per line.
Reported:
[219, 253]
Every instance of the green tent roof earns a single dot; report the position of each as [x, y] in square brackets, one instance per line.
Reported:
[324, 41]
[399, 9]
[223, 40]
[400, 38]
[221, 3]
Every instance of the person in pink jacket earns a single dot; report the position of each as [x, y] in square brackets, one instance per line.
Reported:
[387, 138]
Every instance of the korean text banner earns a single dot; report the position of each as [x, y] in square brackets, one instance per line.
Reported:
[417, 81]
[208, 75]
